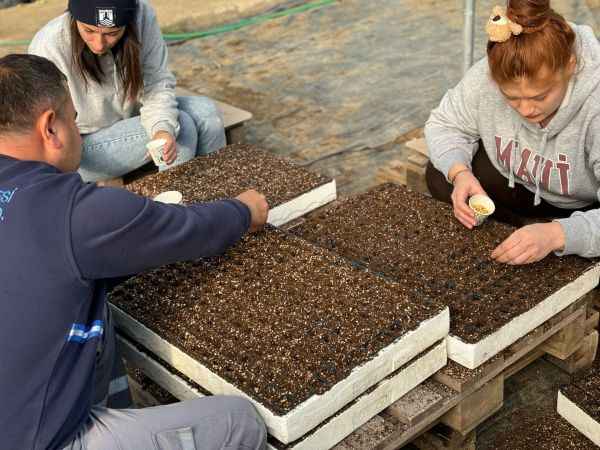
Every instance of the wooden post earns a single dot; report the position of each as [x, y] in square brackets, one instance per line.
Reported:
[477, 407]
[583, 358]
[564, 343]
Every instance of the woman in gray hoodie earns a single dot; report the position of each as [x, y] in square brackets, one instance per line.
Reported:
[523, 125]
[115, 60]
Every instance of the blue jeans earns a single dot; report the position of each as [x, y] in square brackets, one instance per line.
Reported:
[121, 148]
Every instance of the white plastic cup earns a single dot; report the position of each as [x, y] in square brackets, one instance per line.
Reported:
[169, 197]
[155, 149]
[482, 206]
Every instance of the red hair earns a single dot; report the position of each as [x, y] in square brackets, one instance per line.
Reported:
[546, 40]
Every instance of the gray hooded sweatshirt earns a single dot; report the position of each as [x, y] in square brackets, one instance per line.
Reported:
[559, 163]
[100, 106]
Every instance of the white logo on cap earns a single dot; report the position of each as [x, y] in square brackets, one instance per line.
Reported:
[106, 17]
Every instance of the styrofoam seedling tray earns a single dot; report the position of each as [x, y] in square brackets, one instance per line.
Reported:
[578, 418]
[305, 203]
[331, 432]
[473, 355]
[316, 409]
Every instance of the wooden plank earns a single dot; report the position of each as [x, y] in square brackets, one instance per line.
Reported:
[564, 343]
[388, 175]
[583, 358]
[592, 320]
[523, 362]
[394, 172]
[418, 160]
[419, 145]
[432, 441]
[416, 405]
[461, 379]
[476, 407]
[232, 115]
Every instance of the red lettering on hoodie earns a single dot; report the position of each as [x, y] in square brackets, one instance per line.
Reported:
[504, 156]
[537, 159]
[546, 174]
[563, 168]
[523, 173]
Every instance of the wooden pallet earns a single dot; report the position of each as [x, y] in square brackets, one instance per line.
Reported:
[233, 118]
[461, 398]
[409, 172]
[585, 352]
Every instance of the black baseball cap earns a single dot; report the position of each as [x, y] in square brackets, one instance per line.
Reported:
[103, 13]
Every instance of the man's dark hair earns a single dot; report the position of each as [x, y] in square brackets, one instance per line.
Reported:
[29, 85]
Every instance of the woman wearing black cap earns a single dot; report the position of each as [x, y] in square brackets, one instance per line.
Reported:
[115, 59]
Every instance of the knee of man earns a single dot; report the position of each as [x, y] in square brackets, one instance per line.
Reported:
[251, 423]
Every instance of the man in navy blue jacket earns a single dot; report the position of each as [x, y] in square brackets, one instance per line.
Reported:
[61, 240]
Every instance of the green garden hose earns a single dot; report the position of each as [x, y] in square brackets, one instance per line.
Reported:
[222, 29]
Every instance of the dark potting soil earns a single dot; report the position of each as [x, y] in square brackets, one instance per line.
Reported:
[540, 429]
[229, 172]
[277, 317]
[158, 393]
[417, 241]
[281, 446]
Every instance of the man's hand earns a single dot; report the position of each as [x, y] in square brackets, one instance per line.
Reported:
[530, 243]
[465, 186]
[170, 148]
[258, 206]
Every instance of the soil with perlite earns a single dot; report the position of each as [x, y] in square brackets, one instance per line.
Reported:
[230, 171]
[416, 241]
[279, 318]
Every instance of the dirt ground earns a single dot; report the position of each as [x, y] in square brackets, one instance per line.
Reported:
[22, 21]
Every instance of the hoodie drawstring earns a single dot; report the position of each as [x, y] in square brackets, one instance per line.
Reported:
[513, 157]
[538, 175]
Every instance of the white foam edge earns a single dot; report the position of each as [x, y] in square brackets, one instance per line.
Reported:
[317, 408]
[325, 436]
[303, 204]
[473, 355]
[577, 417]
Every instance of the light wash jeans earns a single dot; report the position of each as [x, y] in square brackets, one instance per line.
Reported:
[121, 148]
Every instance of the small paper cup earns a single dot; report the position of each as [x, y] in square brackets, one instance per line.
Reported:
[482, 206]
[155, 149]
[170, 197]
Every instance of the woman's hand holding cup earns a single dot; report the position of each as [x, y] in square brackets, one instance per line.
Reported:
[465, 186]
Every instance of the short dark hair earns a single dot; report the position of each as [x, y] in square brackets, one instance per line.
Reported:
[29, 85]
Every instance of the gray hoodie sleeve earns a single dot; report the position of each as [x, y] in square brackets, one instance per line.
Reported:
[451, 131]
[582, 229]
[159, 105]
